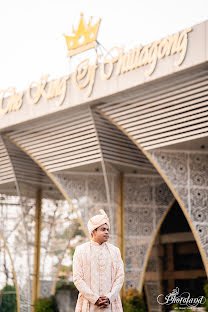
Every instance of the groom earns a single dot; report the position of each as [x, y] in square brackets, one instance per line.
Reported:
[98, 270]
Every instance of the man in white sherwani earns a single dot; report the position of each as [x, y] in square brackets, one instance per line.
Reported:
[98, 271]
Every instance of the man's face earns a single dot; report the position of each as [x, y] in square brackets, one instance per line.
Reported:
[101, 234]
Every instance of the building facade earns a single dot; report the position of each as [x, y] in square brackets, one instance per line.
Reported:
[128, 134]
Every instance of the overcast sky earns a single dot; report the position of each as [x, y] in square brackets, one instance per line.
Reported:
[31, 31]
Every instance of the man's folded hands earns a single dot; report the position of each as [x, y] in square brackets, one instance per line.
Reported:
[102, 302]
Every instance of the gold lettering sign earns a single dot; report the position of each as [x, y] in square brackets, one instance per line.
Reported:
[10, 101]
[108, 62]
[147, 55]
[55, 88]
[84, 74]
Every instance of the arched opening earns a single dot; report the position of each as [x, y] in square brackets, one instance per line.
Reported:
[175, 261]
[50, 224]
[169, 173]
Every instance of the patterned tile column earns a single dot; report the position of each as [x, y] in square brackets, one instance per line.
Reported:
[153, 286]
[187, 175]
[147, 200]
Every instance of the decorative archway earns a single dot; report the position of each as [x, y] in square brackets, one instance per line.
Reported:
[157, 159]
[144, 250]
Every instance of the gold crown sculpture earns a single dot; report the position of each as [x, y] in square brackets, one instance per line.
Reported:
[84, 38]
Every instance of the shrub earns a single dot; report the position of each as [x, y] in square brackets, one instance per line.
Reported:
[206, 295]
[9, 302]
[65, 285]
[46, 305]
[133, 301]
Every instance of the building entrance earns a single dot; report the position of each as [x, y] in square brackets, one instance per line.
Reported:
[175, 260]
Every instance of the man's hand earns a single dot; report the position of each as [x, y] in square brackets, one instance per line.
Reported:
[102, 302]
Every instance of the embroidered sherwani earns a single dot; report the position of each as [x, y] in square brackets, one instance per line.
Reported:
[98, 271]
